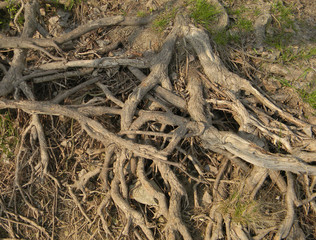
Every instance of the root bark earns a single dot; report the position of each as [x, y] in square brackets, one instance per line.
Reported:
[156, 123]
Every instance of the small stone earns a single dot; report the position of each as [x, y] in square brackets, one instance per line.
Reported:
[140, 194]
[42, 12]
[206, 199]
[103, 43]
[95, 73]
[82, 172]
[66, 143]
[53, 20]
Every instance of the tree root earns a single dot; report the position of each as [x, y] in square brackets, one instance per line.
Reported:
[163, 144]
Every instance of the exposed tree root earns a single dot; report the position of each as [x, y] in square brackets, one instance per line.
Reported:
[163, 145]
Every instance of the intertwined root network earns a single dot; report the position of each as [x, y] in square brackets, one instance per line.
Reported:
[174, 154]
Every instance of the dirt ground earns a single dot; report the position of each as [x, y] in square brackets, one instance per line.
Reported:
[127, 132]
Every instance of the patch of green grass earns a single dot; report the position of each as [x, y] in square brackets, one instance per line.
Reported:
[278, 39]
[290, 54]
[244, 24]
[141, 14]
[238, 12]
[204, 13]
[239, 29]
[305, 73]
[309, 97]
[9, 13]
[224, 37]
[221, 37]
[282, 24]
[8, 136]
[284, 82]
[284, 14]
[71, 3]
[241, 209]
[309, 53]
[287, 54]
[12, 8]
[164, 19]
[241, 16]
[160, 24]
[257, 12]
[302, 54]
